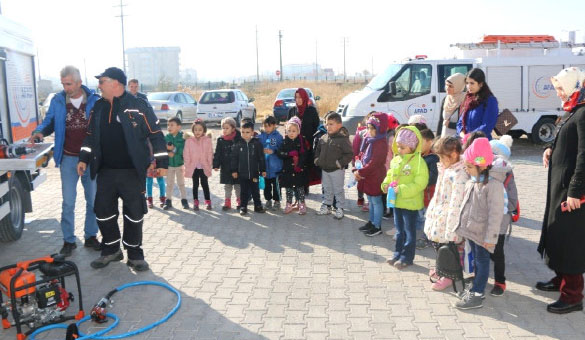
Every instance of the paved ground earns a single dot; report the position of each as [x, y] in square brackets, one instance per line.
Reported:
[302, 277]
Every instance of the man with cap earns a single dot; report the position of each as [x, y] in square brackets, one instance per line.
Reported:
[117, 151]
[67, 117]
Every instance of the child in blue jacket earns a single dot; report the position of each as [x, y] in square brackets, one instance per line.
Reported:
[271, 139]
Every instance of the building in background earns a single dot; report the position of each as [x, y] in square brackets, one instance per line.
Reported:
[189, 76]
[301, 71]
[154, 65]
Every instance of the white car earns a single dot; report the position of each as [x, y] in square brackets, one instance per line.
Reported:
[215, 105]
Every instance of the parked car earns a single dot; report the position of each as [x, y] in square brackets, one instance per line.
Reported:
[167, 105]
[44, 107]
[286, 99]
[215, 105]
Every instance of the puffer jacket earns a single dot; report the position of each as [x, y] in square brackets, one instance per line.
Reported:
[334, 152]
[411, 173]
[178, 142]
[442, 216]
[222, 158]
[272, 141]
[248, 158]
[482, 208]
[198, 151]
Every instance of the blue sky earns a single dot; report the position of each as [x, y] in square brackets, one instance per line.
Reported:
[217, 38]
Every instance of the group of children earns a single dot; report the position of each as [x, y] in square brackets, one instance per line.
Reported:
[457, 191]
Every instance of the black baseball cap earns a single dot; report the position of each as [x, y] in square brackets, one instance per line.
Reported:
[114, 73]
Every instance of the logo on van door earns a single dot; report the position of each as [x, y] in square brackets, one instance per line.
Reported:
[542, 88]
[417, 109]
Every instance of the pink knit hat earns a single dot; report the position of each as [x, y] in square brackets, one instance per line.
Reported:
[296, 121]
[408, 138]
[479, 152]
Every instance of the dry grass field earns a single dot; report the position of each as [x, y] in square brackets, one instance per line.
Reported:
[265, 93]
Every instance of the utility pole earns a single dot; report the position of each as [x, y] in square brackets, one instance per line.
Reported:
[280, 48]
[344, 74]
[316, 67]
[257, 64]
[122, 20]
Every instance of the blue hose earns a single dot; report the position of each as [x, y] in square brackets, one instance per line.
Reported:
[98, 335]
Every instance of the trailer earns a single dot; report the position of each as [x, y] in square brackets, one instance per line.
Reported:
[20, 175]
[518, 71]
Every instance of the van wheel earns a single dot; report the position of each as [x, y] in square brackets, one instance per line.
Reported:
[543, 131]
[12, 224]
[238, 119]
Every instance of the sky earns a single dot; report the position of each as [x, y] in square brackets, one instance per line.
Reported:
[217, 38]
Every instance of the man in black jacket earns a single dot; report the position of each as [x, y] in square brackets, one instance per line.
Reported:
[117, 151]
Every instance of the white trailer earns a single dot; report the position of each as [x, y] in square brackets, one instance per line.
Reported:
[18, 118]
[518, 73]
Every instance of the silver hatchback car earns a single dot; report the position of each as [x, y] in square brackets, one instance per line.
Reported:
[167, 105]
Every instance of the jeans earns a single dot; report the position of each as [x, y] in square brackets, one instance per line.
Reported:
[376, 210]
[405, 223]
[69, 179]
[161, 186]
[481, 261]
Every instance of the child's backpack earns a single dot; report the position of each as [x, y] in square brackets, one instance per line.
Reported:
[515, 213]
[449, 264]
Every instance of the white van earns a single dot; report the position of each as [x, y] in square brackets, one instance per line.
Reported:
[217, 104]
[517, 73]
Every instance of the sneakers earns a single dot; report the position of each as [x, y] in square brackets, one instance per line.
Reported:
[324, 210]
[227, 205]
[268, 205]
[104, 260]
[185, 203]
[168, 204]
[163, 199]
[373, 231]
[93, 243]
[365, 207]
[243, 211]
[498, 289]
[138, 265]
[392, 261]
[366, 227]
[150, 202]
[441, 284]
[67, 249]
[302, 209]
[259, 209]
[288, 208]
[422, 243]
[208, 204]
[360, 202]
[470, 301]
[338, 214]
[276, 206]
[389, 215]
[196, 205]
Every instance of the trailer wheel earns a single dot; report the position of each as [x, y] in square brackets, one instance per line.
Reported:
[12, 224]
[543, 131]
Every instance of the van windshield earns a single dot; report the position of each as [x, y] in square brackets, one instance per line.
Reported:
[379, 81]
[223, 97]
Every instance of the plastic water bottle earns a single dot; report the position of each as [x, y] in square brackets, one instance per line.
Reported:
[391, 197]
[352, 182]
[261, 183]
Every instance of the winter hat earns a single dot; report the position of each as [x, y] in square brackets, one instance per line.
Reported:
[392, 122]
[479, 152]
[380, 121]
[407, 137]
[416, 119]
[502, 147]
[296, 121]
[570, 80]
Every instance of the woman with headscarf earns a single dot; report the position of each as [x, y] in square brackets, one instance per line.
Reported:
[562, 241]
[454, 86]
[479, 110]
[309, 117]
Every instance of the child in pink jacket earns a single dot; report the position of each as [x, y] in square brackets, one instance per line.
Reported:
[198, 156]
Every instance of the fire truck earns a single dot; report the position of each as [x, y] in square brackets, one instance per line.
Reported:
[20, 163]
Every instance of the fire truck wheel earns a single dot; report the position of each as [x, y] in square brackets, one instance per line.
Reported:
[11, 225]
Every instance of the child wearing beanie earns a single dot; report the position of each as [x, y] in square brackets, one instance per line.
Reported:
[408, 176]
[481, 215]
[502, 150]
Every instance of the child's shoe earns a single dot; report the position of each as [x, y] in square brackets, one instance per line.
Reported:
[302, 209]
[196, 205]
[168, 204]
[243, 211]
[498, 289]
[338, 213]
[288, 208]
[360, 202]
[276, 206]
[150, 202]
[227, 205]
[163, 200]
[185, 203]
[268, 205]
[259, 209]
[470, 301]
[441, 284]
[208, 204]
[324, 210]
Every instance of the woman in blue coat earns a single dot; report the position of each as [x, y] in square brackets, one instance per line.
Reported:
[479, 110]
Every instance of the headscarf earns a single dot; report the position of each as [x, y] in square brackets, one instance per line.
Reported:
[301, 109]
[571, 81]
[453, 102]
[380, 121]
